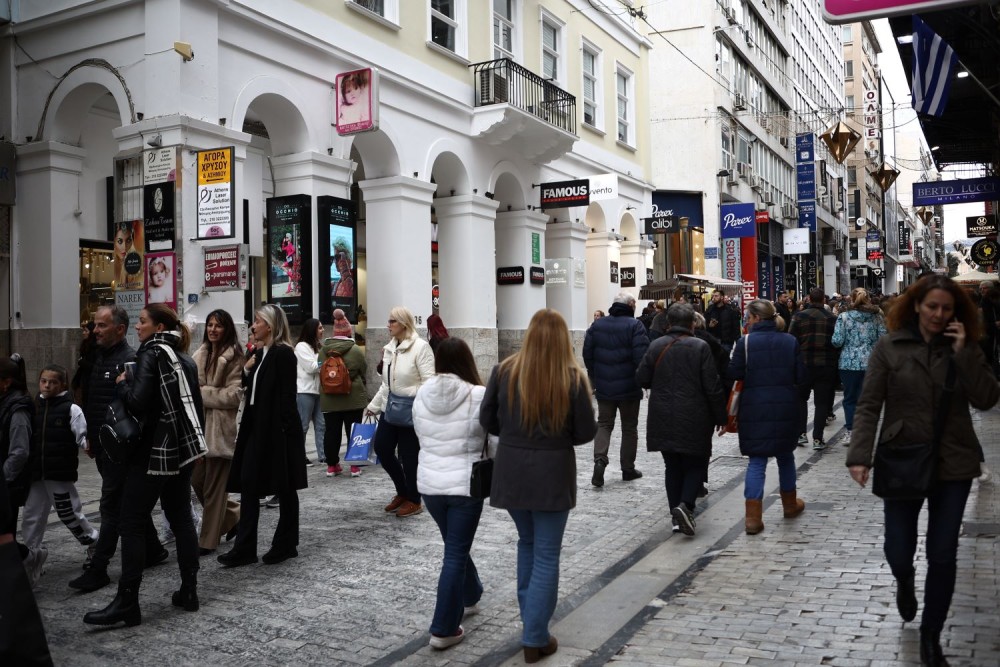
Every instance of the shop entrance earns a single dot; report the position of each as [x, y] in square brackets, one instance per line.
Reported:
[97, 271]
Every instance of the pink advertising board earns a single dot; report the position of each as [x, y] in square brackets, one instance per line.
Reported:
[849, 11]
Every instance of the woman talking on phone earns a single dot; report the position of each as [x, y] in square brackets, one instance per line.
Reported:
[928, 359]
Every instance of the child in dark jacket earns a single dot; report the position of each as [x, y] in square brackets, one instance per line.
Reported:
[59, 432]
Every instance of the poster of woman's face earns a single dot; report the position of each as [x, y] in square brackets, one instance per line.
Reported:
[161, 279]
[128, 264]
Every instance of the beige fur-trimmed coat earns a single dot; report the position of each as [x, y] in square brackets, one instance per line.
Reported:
[221, 395]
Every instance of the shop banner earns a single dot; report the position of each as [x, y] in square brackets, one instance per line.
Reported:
[603, 187]
[807, 215]
[133, 301]
[957, 191]
[764, 273]
[536, 274]
[158, 216]
[731, 259]
[984, 252]
[677, 205]
[628, 276]
[161, 278]
[159, 165]
[980, 225]
[129, 248]
[510, 275]
[216, 205]
[649, 276]
[356, 108]
[614, 272]
[778, 274]
[853, 11]
[737, 221]
[560, 194]
[226, 267]
[748, 269]
[795, 241]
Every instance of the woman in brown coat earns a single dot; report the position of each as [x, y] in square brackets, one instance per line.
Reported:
[933, 328]
[220, 361]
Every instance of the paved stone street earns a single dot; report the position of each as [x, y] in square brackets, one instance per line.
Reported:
[809, 591]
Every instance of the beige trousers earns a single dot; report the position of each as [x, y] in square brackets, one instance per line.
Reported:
[220, 513]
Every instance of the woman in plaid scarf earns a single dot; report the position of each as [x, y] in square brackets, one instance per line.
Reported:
[163, 394]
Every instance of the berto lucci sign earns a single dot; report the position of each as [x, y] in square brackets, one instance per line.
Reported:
[738, 230]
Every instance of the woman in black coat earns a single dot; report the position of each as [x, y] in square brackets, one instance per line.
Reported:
[162, 393]
[686, 403]
[270, 445]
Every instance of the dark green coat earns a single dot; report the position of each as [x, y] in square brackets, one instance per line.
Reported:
[354, 359]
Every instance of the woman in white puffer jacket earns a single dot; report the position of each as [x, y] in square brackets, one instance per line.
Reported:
[446, 419]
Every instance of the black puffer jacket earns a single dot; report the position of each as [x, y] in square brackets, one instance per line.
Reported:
[687, 400]
[727, 322]
[101, 388]
[52, 434]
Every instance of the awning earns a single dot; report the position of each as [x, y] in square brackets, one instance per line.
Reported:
[664, 289]
[975, 277]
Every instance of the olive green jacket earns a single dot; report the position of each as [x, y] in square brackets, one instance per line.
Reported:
[354, 359]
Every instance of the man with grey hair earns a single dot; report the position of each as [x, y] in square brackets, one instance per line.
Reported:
[613, 347]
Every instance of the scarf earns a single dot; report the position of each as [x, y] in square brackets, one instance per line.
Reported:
[179, 437]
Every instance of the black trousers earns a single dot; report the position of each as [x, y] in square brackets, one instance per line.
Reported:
[139, 496]
[113, 476]
[403, 470]
[286, 535]
[683, 476]
[821, 381]
[336, 422]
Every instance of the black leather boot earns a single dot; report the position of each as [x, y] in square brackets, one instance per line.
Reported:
[930, 648]
[187, 596]
[906, 597]
[125, 607]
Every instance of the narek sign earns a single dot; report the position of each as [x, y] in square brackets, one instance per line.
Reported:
[956, 192]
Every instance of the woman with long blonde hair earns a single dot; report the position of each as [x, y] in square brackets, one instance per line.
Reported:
[538, 402]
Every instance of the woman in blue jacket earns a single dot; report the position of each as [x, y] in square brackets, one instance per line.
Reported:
[770, 365]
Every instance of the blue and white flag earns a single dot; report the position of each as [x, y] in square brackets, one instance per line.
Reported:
[933, 64]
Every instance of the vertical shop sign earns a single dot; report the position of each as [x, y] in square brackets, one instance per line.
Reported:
[748, 268]
[536, 248]
[158, 216]
[614, 272]
[731, 259]
[226, 267]
[338, 251]
[159, 165]
[216, 206]
[289, 276]
[628, 276]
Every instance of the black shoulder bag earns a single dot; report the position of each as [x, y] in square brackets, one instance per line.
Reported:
[909, 471]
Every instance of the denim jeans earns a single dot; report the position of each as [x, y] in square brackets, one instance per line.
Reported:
[852, 381]
[539, 542]
[402, 470]
[308, 405]
[459, 586]
[754, 485]
[945, 507]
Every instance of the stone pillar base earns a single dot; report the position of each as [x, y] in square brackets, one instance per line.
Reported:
[41, 347]
[510, 341]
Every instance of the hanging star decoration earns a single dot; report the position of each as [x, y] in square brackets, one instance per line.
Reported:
[841, 140]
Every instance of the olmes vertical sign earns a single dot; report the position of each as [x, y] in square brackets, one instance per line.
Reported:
[216, 205]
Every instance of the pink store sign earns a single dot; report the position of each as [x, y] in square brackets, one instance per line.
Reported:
[849, 11]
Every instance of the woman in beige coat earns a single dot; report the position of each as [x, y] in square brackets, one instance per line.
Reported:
[220, 361]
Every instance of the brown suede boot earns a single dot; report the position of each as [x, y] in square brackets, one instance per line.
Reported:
[793, 506]
[754, 522]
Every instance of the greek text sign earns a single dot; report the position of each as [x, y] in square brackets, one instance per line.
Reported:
[226, 267]
[216, 207]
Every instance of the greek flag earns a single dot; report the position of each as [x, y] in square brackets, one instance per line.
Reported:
[933, 64]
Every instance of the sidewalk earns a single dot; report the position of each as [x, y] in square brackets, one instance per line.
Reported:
[814, 590]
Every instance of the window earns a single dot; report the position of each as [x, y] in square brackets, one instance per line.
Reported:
[623, 88]
[727, 150]
[849, 104]
[852, 177]
[550, 50]
[849, 69]
[591, 86]
[846, 36]
[387, 9]
[503, 29]
[444, 23]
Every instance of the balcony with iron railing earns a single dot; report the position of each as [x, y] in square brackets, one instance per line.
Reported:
[518, 108]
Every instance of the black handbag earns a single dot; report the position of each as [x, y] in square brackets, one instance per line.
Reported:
[909, 471]
[399, 410]
[120, 432]
[482, 473]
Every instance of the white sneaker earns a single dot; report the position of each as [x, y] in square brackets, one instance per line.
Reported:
[985, 474]
[471, 610]
[33, 564]
[846, 441]
[444, 642]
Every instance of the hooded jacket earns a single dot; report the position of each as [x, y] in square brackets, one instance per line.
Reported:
[856, 333]
[357, 368]
[446, 419]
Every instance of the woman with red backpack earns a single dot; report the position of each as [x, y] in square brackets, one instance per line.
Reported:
[343, 395]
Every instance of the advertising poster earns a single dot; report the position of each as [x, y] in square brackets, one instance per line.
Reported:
[216, 207]
[158, 214]
[161, 278]
[128, 249]
[337, 234]
[133, 301]
[159, 165]
[288, 271]
[356, 108]
[226, 267]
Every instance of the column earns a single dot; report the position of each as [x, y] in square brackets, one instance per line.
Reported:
[602, 249]
[45, 303]
[566, 245]
[636, 254]
[398, 223]
[466, 261]
[516, 234]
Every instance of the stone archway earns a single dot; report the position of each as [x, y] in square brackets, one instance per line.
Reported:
[71, 98]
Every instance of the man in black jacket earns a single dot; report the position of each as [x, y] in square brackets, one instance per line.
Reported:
[723, 320]
[110, 326]
[813, 327]
[612, 350]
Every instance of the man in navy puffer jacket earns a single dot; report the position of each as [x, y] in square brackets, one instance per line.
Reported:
[612, 350]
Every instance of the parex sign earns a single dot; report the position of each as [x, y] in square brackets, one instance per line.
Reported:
[737, 221]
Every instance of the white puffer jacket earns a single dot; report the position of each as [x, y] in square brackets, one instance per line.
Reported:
[446, 419]
[405, 366]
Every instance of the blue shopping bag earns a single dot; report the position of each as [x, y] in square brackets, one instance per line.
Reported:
[361, 448]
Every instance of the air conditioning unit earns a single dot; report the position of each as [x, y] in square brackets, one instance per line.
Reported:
[493, 88]
[727, 10]
[744, 170]
[860, 271]
[732, 180]
[756, 183]
[765, 197]
[740, 102]
[788, 211]
[785, 141]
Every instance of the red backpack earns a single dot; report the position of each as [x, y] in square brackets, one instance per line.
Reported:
[334, 376]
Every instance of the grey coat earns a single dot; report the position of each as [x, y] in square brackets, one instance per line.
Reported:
[534, 471]
[687, 400]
